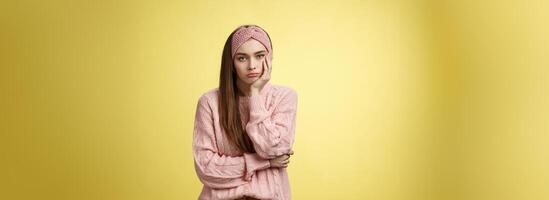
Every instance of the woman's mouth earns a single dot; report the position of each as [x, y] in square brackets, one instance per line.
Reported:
[250, 75]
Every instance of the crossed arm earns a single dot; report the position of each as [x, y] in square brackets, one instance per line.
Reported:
[272, 133]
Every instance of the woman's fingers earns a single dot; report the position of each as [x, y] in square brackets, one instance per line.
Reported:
[262, 70]
[265, 71]
[286, 157]
[267, 68]
[282, 161]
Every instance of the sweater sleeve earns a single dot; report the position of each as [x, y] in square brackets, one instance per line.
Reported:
[215, 170]
[272, 134]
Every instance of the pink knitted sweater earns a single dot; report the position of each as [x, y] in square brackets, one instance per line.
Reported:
[227, 173]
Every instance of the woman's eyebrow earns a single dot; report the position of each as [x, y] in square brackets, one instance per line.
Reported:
[240, 53]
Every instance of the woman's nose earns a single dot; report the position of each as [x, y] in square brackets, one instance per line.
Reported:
[252, 65]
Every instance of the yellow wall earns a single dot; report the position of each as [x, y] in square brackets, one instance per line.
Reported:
[397, 99]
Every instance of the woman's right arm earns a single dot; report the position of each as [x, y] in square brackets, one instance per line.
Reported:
[214, 170]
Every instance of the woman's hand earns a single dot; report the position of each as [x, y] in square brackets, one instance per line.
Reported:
[265, 75]
[281, 161]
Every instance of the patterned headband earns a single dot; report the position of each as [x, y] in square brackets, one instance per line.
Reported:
[244, 34]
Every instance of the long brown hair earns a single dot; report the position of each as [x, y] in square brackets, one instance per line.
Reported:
[229, 98]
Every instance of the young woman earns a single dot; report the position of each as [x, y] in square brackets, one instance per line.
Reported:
[244, 129]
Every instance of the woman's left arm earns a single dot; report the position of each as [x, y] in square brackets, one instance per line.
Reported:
[273, 134]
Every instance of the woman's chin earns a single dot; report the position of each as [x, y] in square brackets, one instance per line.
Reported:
[250, 80]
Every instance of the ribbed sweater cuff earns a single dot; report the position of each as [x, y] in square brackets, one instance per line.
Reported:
[254, 163]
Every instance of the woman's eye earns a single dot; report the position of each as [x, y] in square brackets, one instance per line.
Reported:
[241, 59]
[260, 55]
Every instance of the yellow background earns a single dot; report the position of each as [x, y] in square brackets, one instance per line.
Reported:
[397, 99]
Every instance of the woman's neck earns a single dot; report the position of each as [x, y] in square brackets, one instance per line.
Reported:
[243, 88]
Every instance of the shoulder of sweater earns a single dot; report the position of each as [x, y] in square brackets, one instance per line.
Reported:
[209, 95]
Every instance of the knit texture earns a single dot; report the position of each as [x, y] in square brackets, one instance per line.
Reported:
[226, 172]
[243, 34]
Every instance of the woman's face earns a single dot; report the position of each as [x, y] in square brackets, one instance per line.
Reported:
[248, 60]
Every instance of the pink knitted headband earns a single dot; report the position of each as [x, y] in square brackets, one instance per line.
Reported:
[244, 34]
